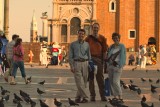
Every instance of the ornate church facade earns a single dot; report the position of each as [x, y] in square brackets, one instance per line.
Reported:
[137, 21]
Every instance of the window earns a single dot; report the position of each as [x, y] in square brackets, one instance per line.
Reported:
[132, 34]
[112, 6]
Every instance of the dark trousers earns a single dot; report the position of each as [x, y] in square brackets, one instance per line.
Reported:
[99, 78]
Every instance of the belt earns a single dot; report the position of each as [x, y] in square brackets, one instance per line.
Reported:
[80, 60]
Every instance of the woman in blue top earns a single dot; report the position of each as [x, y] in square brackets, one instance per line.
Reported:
[116, 59]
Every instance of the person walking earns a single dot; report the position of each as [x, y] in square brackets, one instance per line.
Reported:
[18, 54]
[79, 55]
[30, 55]
[9, 54]
[116, 59]
[98, 48]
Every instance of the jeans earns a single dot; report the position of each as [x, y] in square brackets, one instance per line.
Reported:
[20, 65]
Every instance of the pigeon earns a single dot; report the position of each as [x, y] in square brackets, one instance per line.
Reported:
[15, 101]
[143, 104]
[42, 83]
[150, 80]
[131, 81]
[153, 87]
[139, 91]
[27, 99]
[1, 103]
[146, 70]
[72, 103]
[19, 104]
[158, 70]
[3, 92]
[39, 91]
[132, 69]
[157, 81]
[143, 80]
[23, 94]
[153, 90]
[42, 104]
[33, 104]
[144, 98]
[6, 98]
[29, 79]
[57, 103]
[17, 97]
[2, 88]
[125, 86]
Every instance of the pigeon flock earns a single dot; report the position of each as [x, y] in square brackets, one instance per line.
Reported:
[19, 99]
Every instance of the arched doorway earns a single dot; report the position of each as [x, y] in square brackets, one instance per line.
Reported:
[151, 41]
[75, 26]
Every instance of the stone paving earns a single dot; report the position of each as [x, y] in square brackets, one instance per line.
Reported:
[60, 84]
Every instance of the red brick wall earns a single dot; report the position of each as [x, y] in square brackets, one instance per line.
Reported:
[130, 14]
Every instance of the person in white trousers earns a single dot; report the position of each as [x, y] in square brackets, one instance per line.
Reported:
[144, 58]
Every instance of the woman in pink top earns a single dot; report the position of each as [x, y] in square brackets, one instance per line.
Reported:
[18, 62]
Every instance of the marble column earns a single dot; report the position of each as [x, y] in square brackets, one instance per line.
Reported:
[6, 17]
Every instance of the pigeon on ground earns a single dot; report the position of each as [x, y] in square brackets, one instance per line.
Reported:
[1, 103]
[72, 103]
[150, 80]
[153, 87]
[33, 104]
[144, 98]
[57, 103]
[42, 83]
[153, 90]
[42, 104]
[6, 98]
[139, 91]
[146, 70]
[15, 101]
[40, 91]
[19, 104]
[158, 70]
[3, 92]
[27, 99]
[143, 104]
[29, 79]
[157, 81]
[143, 80]
[131, 81]
[17, 97]
[23, 94]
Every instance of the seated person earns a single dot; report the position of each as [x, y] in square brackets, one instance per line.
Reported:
[131, 59]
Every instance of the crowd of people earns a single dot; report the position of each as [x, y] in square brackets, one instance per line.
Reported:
[146, 55]
[94, 48]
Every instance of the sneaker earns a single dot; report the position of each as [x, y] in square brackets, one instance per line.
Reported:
[84, 100]
[92, 99]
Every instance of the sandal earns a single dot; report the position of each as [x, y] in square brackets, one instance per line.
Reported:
[12, 83]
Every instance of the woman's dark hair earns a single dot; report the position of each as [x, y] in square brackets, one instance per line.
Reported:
[116, 34]
[18, 41]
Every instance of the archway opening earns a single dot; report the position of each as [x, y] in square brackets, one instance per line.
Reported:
[75, 26]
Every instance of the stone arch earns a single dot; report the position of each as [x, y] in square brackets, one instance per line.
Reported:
[151, 41]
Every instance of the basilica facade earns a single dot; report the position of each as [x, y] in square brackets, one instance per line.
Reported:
[137, 21]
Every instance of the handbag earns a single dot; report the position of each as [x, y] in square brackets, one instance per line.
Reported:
[107, 87]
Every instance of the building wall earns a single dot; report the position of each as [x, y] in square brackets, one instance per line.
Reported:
[1, 15]
[141, 15]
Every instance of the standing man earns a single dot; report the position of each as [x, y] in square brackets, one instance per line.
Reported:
[98, 48]
[79, 55]
[9, 53]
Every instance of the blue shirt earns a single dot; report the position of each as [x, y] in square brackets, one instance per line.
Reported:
[79, 50]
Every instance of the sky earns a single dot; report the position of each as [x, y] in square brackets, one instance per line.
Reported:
[20, 16]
